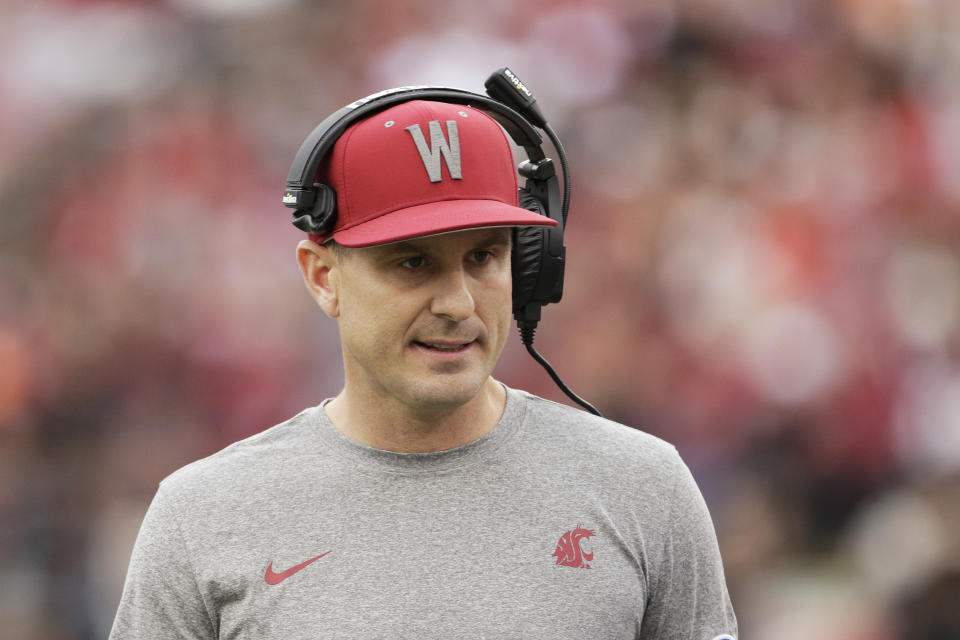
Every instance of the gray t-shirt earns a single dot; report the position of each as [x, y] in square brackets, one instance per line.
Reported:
[556, 524]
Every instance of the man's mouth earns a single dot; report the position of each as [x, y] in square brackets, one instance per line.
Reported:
[444, 346]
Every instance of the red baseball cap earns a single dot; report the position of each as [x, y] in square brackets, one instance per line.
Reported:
[422, 168]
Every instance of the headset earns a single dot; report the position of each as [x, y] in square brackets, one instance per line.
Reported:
[538, 253]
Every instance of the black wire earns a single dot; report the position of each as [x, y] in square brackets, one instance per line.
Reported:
[526, 336]
[526, 333]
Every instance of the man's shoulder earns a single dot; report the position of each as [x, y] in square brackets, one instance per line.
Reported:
[568, 429]
[244, 461]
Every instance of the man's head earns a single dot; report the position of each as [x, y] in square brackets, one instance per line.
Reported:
[417, 267]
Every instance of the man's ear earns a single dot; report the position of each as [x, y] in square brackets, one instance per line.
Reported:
[319, 267]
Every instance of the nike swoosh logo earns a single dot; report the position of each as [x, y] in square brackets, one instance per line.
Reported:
[277, 578]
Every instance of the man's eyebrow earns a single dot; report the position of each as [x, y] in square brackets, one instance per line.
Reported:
[404, 246]
[493, 237]
[496, 236]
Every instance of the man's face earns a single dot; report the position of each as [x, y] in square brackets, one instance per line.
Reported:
[423, 322]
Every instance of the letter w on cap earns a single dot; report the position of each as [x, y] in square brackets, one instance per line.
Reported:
[438, 146]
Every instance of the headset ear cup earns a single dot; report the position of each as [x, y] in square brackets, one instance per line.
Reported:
[321, 217]
[530, 202]
[527, 249]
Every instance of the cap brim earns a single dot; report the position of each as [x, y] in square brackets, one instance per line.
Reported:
[438, 217]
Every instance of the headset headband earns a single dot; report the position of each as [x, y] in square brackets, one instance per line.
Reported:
[314, 149]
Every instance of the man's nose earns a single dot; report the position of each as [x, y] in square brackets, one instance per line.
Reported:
[452, 299]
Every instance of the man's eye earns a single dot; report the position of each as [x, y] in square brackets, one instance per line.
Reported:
[412, 263]
[482, 256]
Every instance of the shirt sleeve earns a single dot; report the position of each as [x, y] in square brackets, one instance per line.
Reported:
[161, 598]
[687, 592]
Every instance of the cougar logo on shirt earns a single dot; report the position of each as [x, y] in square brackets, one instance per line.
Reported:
[569, 553]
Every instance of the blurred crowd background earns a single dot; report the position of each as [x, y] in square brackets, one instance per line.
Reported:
[763, 269]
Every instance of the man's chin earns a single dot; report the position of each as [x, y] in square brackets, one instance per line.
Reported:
[446, 393]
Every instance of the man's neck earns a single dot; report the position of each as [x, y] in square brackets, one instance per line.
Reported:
[395, 427]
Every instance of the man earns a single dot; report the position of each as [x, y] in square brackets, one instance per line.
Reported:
[427, 500]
